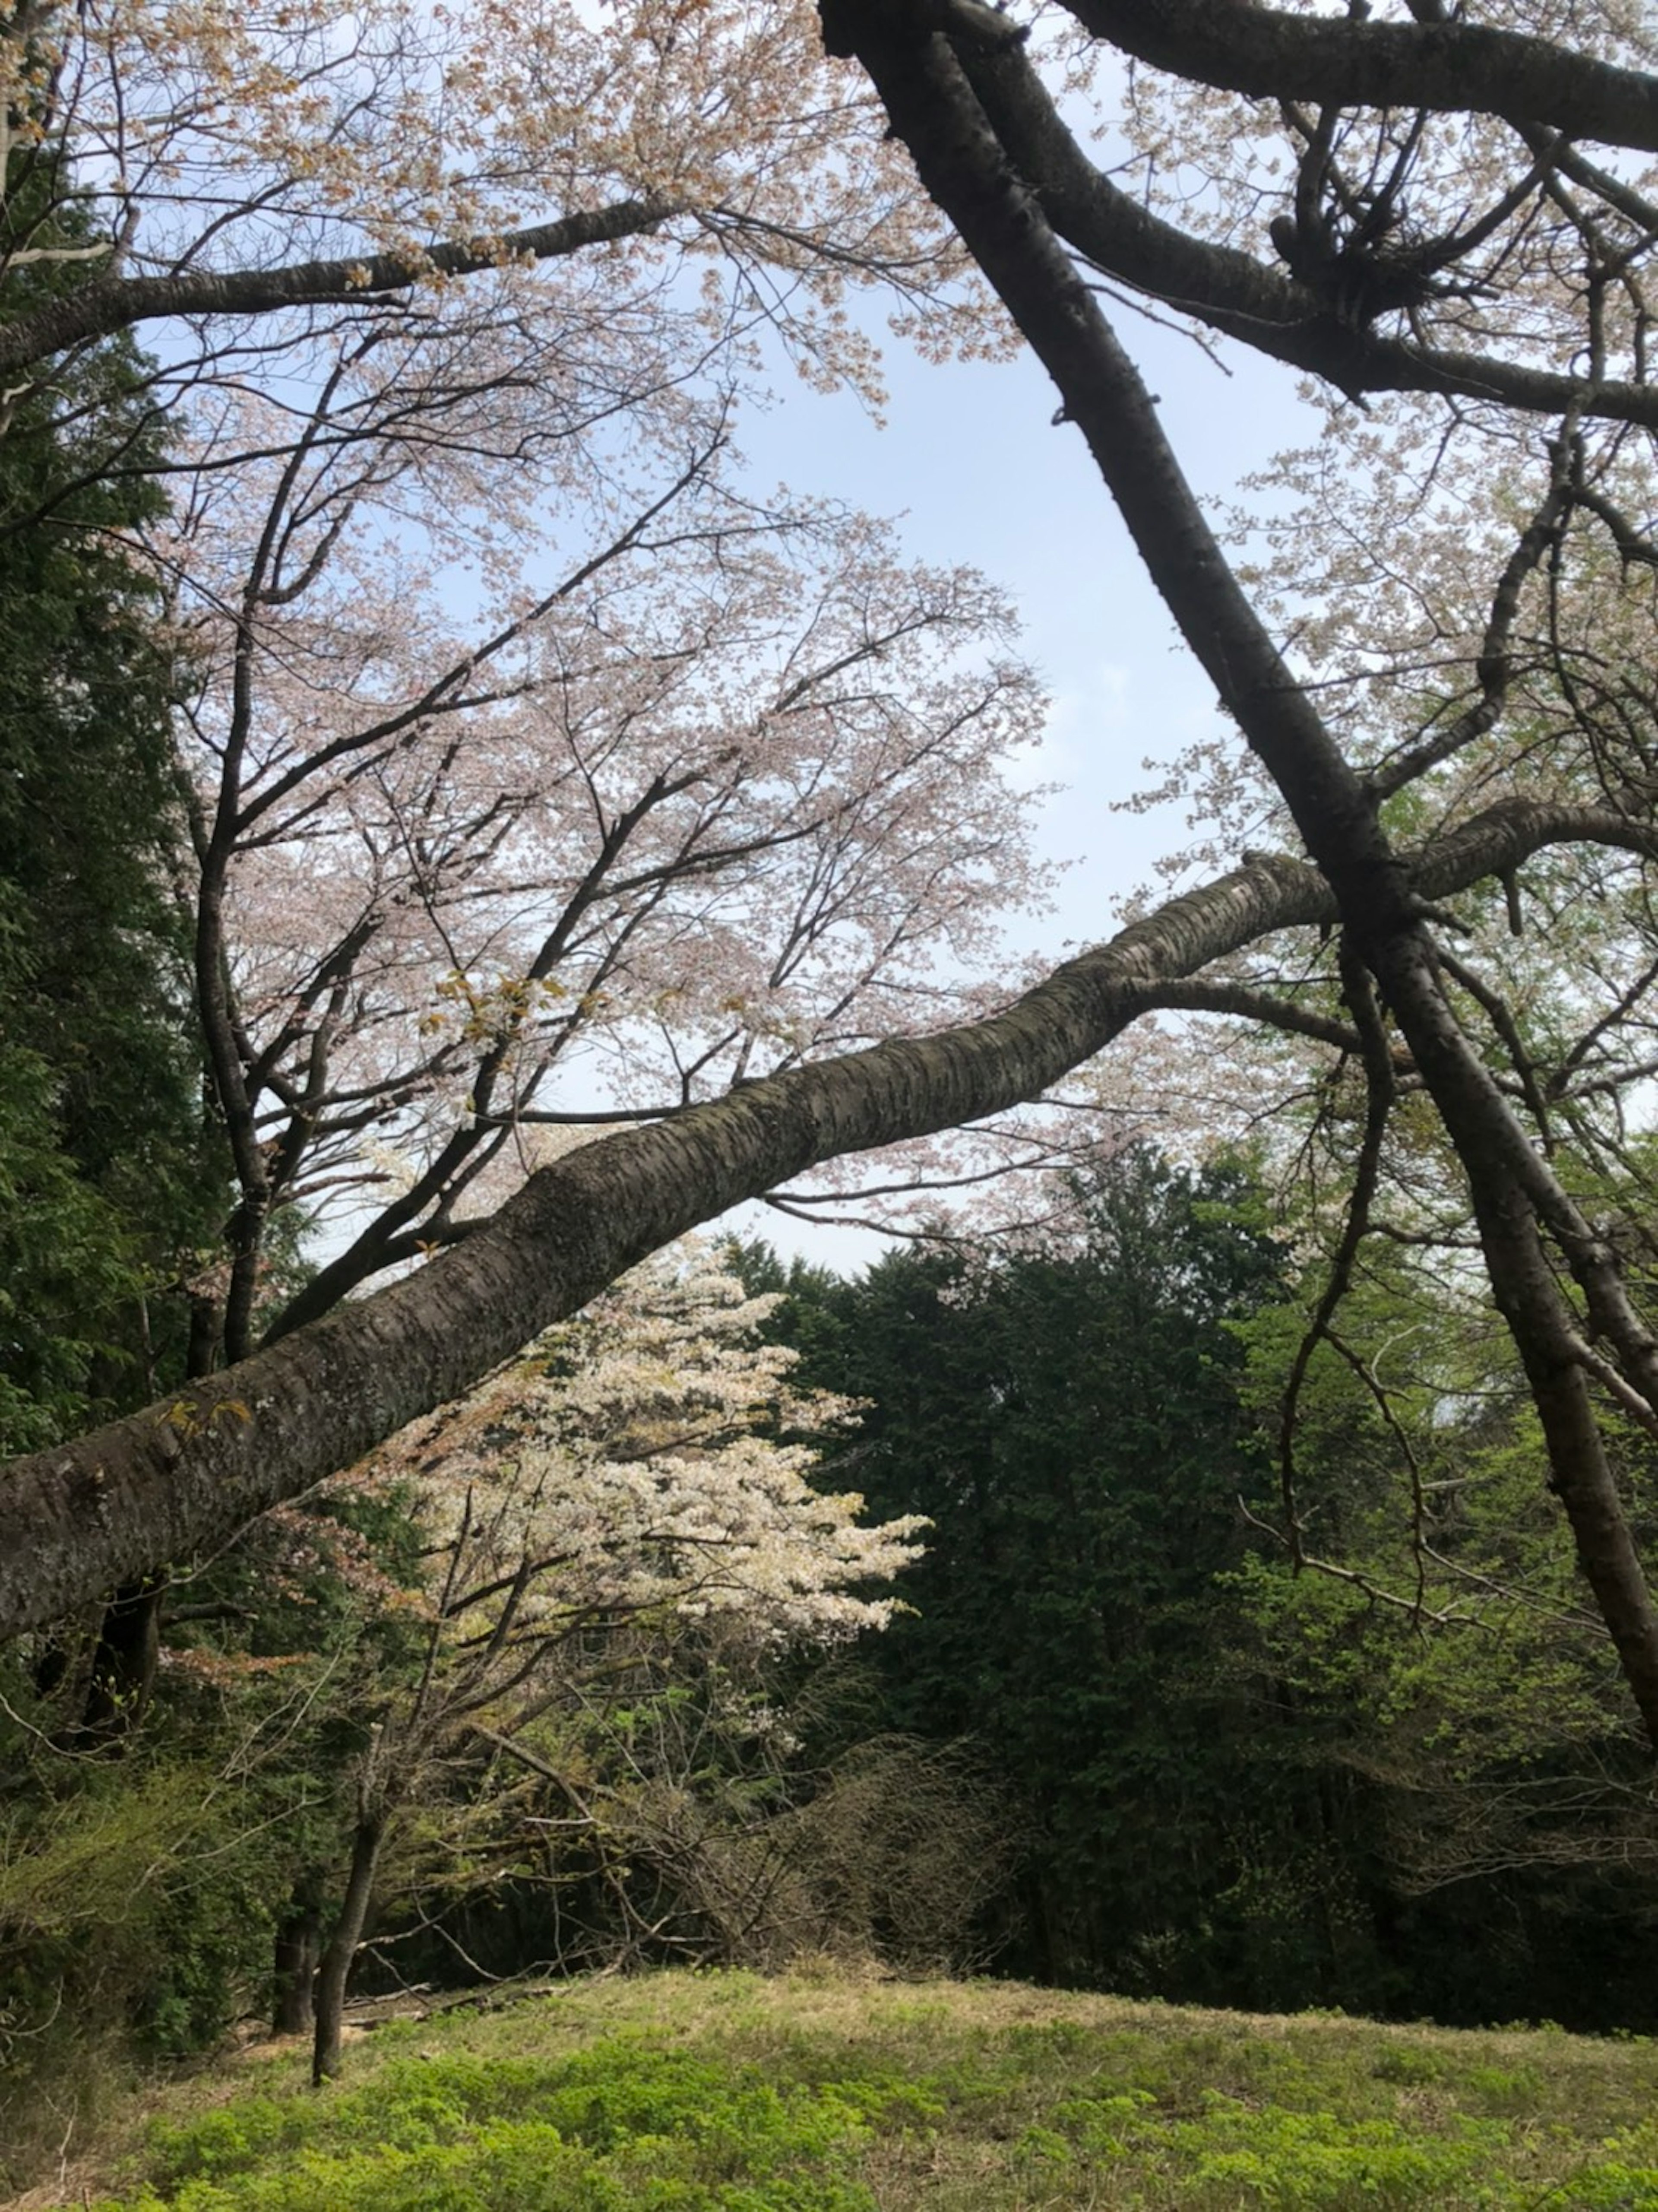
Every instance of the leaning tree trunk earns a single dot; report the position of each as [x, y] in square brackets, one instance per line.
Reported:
[336, 1968]
[191, 1471]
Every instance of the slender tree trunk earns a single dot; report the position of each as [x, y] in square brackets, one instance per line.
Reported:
[336, 1968]
[293, 1970]
[205, 1329]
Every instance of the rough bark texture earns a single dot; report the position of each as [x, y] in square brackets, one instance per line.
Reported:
[336, 1968]
[927, 89]
[1260, 304]
[155, 1487]
[126, 1499]
[1457, 68]
[81, 1522]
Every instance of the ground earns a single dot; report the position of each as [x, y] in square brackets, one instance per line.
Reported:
[833, 2092]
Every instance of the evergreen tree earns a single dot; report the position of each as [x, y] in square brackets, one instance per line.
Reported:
[1072, 1425]
[1239, 1782]
[108, 1178]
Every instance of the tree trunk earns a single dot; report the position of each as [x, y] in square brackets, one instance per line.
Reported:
[125, 1663]
[335, 1970]
[193, 1470]
[294, 1971]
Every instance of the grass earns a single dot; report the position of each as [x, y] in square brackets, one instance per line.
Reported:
[724, 2093]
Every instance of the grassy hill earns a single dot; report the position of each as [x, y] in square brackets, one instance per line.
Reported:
[681, 2092]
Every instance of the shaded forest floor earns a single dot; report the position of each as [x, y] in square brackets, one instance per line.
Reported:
[727, 2092]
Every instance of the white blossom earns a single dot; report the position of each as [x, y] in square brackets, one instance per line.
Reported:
[652, 1456]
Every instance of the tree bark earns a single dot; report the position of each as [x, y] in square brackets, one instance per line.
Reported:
[336, 1961]
[123, 1501]
[155, 1486]
[1260, 304]
[1455, 68]
[294, 1972]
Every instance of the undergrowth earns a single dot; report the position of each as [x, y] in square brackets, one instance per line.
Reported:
[728, 2094]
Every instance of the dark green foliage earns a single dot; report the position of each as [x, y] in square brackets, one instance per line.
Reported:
[141, 1885]
[108, 1179]
[124, 1904]
[1454, 1695]
[1239, 1783]
[1072, 1425]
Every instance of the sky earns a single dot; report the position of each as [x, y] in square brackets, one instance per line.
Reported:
[971, 459]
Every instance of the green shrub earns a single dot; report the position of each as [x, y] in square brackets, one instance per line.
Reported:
[1404, 2063]
[1318, 2161]
[683, 2093]
[621, 2125]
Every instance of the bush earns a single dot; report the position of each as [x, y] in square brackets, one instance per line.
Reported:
[618, 2126]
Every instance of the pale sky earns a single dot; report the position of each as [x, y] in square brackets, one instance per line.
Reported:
[970, 458]
[972, 461]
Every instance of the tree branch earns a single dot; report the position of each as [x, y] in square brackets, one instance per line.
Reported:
[120, 302]
[159, 1484]
[191, 1471]
[1453, 67]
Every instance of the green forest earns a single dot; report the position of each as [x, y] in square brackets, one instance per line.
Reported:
[486, 882]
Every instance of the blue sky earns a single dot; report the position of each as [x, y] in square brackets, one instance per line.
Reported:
[971, 457]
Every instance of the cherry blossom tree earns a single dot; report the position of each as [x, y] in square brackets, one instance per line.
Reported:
[522, 738]
[248, 162]
[1399, 233]
[1445, 223]
[731, 794]
[536, 769]
[626, 1475]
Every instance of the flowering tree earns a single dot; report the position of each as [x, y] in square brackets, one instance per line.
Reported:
[248, 162]
[534, 768]
[1397, 235]
[625, 1476]
[522, 745]
[729, 795]
[1413, 212]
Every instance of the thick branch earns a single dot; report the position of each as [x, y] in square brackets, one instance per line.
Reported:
[1457, 68]
[118, 302]
[1244, 1005]
[1232, 293]
[163, 1483]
